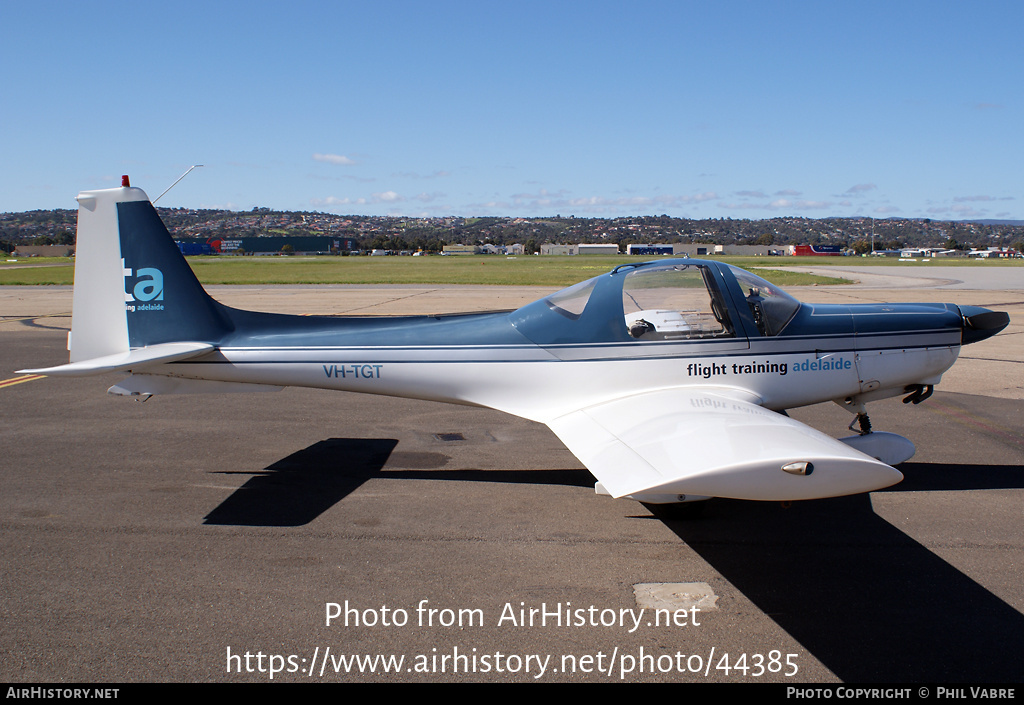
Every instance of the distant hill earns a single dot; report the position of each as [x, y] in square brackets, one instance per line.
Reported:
[1014, 223]
[431, 234]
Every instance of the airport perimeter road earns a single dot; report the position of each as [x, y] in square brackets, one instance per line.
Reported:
[208, 538]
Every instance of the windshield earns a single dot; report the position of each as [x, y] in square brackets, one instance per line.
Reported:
[771, 307]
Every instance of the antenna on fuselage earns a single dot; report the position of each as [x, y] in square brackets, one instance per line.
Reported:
[176, 182]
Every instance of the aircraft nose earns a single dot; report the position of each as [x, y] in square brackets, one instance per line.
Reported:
[980, 323]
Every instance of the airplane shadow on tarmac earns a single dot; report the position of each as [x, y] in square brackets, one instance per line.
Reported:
[867, 600]
[297, 489]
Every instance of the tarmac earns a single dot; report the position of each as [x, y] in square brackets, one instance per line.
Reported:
[315, 536]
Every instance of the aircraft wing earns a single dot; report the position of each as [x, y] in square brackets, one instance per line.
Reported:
[713, 442]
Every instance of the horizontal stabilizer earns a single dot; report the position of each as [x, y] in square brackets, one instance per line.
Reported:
[699, 442]
[129, 360]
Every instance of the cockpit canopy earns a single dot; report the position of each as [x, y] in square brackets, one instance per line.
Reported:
[674, 300]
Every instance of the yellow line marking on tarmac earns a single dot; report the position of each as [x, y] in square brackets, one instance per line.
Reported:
[18, 380]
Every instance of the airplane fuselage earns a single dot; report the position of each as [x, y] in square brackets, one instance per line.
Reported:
[511, 375]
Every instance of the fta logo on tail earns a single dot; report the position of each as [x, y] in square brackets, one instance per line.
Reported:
[143, 286]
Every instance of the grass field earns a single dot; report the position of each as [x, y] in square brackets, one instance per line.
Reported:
[481, 269]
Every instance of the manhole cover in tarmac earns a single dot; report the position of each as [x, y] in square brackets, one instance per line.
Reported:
[675, 596]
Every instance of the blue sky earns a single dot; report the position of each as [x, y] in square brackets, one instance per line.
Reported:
[694, 109]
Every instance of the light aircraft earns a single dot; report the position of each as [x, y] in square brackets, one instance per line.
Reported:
[669, 380]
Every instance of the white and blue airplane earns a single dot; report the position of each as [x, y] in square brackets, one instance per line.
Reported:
[669, 380]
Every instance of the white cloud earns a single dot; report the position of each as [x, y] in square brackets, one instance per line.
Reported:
[860, 188]
[542, 195]
[964, 212]
[700, 197]
[229, 206]
[342, 177]
[780, 204]
[428, 197]
[440, 174]
[964, 199]
[490, 208]
[334, 201]
[560, 200]
[339, 159]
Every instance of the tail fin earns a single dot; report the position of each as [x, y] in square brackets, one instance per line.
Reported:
[133, 290]
[163, 300]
